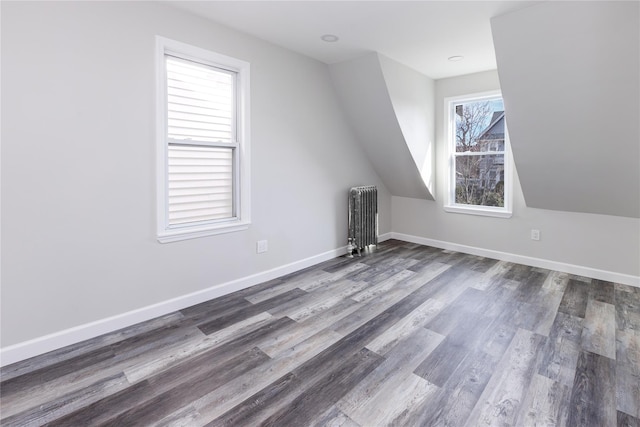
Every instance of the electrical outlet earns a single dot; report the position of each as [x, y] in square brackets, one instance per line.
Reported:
[535, 234]
[262, 246]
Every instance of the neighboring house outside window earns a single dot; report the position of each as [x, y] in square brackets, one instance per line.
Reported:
[479, 165]
[203, 155]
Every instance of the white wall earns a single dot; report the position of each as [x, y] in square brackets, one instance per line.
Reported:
[365, 99]
[598, 242]
[412, 97]
[78, 183]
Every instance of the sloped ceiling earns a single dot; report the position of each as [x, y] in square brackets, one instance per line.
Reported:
[389, 108]
[570, 79]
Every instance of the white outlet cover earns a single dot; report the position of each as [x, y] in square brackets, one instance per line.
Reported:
[262, 246]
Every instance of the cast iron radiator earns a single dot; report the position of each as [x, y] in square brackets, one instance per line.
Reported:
[363, 218]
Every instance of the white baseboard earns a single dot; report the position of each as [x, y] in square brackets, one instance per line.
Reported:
[385, 236]
[579, 270]
[44, 344]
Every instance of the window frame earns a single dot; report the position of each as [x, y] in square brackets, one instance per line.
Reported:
[241, 147]
[450, 141]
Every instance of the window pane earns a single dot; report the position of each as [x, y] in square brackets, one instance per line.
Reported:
[480, 180]
[479, 126]
[200, 102]
[200, 183]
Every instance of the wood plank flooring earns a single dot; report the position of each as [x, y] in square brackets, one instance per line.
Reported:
[406, 335]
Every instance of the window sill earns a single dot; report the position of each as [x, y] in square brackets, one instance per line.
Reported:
[477, 210]
[176, 235]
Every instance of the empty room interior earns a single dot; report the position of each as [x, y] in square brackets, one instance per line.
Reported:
[320, 213]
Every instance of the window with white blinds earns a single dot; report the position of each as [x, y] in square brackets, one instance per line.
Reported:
[205, 141]
[201, 136]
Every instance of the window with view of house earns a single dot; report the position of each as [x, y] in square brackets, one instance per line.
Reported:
[479, 161]
[203, 142]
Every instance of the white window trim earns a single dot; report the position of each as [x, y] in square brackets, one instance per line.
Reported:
[450, 205]
[242, 188]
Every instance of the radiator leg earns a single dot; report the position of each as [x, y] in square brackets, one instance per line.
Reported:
[350, 248]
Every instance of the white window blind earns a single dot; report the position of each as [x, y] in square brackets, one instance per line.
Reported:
[202, 143]
[200, 183]
[200, 101]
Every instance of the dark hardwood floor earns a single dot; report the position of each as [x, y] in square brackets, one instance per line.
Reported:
[406, 335]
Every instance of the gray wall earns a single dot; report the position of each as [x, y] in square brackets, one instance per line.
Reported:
[569, 73]
[603, 242]
[78, 171]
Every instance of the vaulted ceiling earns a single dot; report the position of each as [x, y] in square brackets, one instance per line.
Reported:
[419, 34]
[568, 72]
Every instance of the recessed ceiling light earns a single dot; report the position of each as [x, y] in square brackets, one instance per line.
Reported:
[330, 38]
[456, 58]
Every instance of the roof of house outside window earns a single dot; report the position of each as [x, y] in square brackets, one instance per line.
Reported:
[495, 130]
